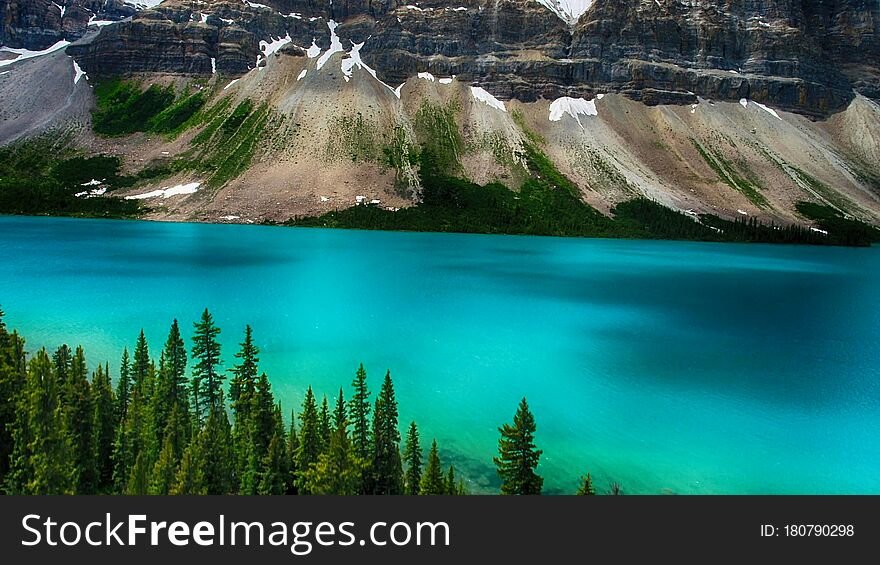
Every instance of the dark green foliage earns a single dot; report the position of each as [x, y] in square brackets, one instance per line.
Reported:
[359, 414]
[173, 119]
[123, 108]
[13, 379]
[105, 422]
[309, 447]
[79, 413]
[228, 141]
[337, 471]
[387, 470]
[340, 418]
[841, 230]
[433, 483]
[324, 426]
[517, 455]
[207, 379]
[275, 468]
[586, 488]
[43, 177]
[412, 457]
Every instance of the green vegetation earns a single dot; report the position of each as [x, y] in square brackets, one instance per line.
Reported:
[160, 432]
[438, 134]
[44, 177]
[123, 107]
[547, 207]
[843, 230]
[354, 138]
[728, 173]
[229, 140]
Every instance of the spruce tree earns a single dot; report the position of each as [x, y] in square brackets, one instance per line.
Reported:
[340, 418]
[517, 455]
[13, 379]
[141, 367]
[171, 385]
[207, 379]
[338, 470]
[386, 464]
[432, 483]
[359, 411]
[79, 413]
[586, 488]
[123, 387]
[309, 438]
[139, 481]
[412, 456]
[218, 464]
[292, 455]
[62, 359]
[40, 461]
[451, 484]
[104, 425]
[262, 416]
[244, 377]
[324, 426]
[164, 471]
[189, 479]
[275, 469]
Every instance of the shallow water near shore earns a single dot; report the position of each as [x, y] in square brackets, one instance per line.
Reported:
[669, 367]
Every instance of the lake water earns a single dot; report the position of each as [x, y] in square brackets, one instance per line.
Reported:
[669, 367]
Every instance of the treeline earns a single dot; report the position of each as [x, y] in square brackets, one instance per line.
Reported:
[548, 204]
[163, 429]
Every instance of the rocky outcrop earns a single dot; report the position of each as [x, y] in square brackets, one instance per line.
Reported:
[808, 57]
[37, 24]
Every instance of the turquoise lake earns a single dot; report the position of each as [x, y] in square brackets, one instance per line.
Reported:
[669, 367]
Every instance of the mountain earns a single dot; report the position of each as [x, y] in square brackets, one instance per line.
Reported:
[737, 108]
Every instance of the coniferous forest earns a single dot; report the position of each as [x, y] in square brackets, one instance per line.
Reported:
[187, 425]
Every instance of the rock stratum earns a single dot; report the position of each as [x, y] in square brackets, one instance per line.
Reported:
[737, 107]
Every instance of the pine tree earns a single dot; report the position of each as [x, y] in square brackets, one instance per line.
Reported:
[79, 413]
[387, 468]
[340, 419]
[104, 425]
[412, 455]
[141, 367]
[139, 481]
[171, 385]
[324, 428]
[275, 468]
[359, 411]
[217, 462]
[189, 479]
[40, 461]
[517, 455]
[62, 359]
[244, 376]
[292, 455]
[207, 380]
[432, 483]
[309, 438]
[586, 488]
[262, 416]
[164, 471]
[13, 379]
[338, 470]
[123, 387]
[451, 484]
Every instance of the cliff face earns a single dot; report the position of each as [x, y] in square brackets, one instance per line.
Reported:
[803, 56]
[37, 24]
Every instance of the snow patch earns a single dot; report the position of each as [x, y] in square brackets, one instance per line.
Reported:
[313, 51]
[94, 21]
[480, 94]
[569, 11]
[294, 15]
[233, 81]
[270, 47]
[255, 5]
[189, 188]
[743, 102]
[427, 76]
[92, 193]
[574, 107]
[229, 218]
[742, 212]
[447, 80]
[301, 75]
[62, 8]
[28, 54]
[335, 45]
[213, 66]
[817, 230]
[78, 73]
[770, 111]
